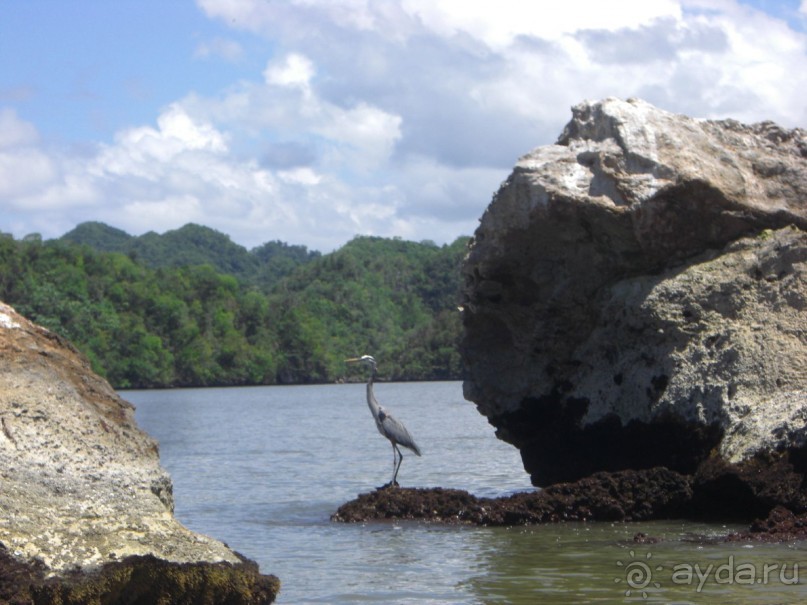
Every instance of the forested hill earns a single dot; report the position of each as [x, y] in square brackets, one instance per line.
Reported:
[192, 308]
[196, 245]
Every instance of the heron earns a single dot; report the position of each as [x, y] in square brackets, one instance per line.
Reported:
[389, 427]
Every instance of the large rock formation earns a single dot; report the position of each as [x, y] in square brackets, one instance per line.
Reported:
[635, 297]
[82, 490]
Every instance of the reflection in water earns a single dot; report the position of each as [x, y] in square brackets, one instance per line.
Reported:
[548, 564]
[600, 563]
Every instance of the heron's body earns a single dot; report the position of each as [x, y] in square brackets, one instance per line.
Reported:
[388, 426]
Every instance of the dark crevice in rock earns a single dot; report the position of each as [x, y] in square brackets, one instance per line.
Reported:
[751, 488]
[556, 447]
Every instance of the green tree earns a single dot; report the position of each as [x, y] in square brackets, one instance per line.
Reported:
[287, 315]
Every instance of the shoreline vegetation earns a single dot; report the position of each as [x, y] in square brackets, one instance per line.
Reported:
[190, 308]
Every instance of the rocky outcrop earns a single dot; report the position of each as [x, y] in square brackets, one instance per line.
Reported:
[616, 497]
[636, 296]
[623, 496]
[781, 525]
[85, 506]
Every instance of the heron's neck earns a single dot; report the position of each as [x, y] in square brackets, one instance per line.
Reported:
[371, 400]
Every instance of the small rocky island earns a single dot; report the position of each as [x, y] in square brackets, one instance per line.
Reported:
[87, 510]
[635, 322]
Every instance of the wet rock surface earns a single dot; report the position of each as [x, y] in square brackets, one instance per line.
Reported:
[136, 580]
[635, 297]
[623, 496]
[85, 507]
[781, 525]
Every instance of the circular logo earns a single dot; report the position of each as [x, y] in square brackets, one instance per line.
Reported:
[638, 575]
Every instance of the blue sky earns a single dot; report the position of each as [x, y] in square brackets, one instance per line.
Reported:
[312, 121]
[80, 70]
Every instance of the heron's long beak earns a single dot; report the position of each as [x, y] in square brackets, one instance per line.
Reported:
[353, 360]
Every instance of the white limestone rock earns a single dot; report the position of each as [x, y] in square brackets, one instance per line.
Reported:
[81, 484]
[635, 294]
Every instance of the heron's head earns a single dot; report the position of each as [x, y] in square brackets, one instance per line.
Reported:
[367, 360]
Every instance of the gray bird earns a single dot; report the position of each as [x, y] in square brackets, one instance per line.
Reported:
[392, 429]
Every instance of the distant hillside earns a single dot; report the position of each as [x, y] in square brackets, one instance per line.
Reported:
[276, 260]
[288, 316]
[196, 245]
[391, 298]
[99, 236]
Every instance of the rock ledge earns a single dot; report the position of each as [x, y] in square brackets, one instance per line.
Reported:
[614, 497]
[85, 502]
[625, 496]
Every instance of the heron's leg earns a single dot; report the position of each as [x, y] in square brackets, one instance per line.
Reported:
[397, 468]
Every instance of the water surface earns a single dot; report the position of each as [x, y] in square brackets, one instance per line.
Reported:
[263, 468]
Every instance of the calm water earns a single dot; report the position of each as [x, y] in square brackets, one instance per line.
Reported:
[263, 468]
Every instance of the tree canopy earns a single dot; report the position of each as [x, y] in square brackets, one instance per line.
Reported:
[195, 245]
[192, 308]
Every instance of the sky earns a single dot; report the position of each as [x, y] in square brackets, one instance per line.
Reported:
[313, 121]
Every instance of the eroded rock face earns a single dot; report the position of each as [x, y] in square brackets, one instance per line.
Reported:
[82, 485]
[636, 295]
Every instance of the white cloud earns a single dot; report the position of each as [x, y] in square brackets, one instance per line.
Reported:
[295, 72]
[500, 23]
[144, 151]
[300, 176]
[364, 136]
[399, 117]
[227, 49]
[241, 14]
[183, 170]
[178, 131]
[15, 132]
[24, 167]
[355, 137]
[169, 212]
[260, 15]
[22, 171]
[410, 113]
[72, 190]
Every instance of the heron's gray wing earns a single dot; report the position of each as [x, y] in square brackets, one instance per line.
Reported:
[395, 431]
